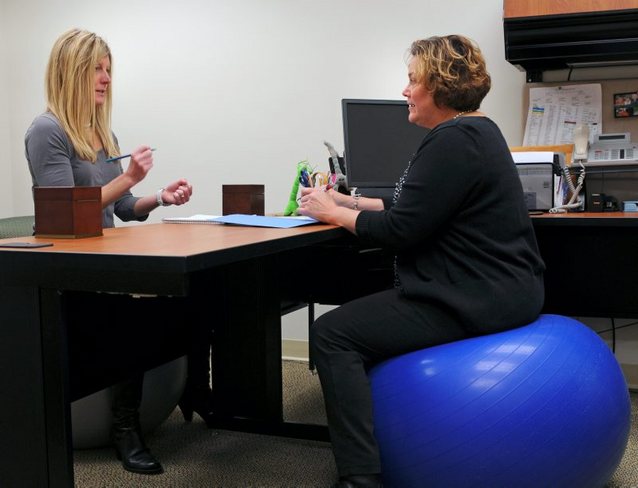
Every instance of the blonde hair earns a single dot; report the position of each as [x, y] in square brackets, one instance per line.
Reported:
[453, 68]
[70, 90]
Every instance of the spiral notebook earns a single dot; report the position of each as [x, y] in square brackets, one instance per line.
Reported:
[193, 219]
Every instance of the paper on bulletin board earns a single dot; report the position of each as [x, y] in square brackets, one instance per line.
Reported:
[554, 112]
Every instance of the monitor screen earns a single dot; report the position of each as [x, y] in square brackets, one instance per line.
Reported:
[379, 142]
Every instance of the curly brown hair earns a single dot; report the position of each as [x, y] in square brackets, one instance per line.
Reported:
[453, 68]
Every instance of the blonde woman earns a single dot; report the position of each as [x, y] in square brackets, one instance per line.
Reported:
[70, 145]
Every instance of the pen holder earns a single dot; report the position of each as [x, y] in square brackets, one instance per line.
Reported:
[243, 199]
[68, 211]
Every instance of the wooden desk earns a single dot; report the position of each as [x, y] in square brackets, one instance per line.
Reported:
[591, 263]
[216, 271]
[591, 270]
[178, 262]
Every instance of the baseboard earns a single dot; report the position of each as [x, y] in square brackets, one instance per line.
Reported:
[294, 350]
[631, 375]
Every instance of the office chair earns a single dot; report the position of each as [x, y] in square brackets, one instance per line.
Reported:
[16, 226]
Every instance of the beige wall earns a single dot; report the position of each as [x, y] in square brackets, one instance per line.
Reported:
[6, 196]
[238, 92]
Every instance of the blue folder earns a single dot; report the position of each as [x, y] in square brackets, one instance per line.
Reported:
[266, 221]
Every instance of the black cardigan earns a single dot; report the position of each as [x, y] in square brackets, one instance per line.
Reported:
[461, 231]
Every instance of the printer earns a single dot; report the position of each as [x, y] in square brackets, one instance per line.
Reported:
[537, 171]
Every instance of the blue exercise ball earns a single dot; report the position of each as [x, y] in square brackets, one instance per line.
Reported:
[545, 404]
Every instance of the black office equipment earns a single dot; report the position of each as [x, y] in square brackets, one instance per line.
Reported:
[538, 43]
[379, 142]
[537, 178]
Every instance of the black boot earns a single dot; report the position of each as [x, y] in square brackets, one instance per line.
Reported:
[131, 450]
[127, 435]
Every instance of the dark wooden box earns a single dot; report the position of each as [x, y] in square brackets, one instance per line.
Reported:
[243, 199]
[68, 211]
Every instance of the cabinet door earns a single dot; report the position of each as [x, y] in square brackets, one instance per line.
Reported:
[529, 8]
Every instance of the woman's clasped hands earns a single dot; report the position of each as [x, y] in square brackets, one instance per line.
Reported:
[178, 192]
[317, 203]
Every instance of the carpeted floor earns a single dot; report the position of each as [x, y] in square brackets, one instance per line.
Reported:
[195, 457]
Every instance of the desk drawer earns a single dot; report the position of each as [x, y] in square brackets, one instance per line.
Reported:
[337, 273]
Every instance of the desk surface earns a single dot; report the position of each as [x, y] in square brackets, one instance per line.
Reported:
[150, 253]
[174, 240]
[599, 219]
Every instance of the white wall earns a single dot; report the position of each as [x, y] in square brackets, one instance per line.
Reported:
[238, 92]
[6, 196]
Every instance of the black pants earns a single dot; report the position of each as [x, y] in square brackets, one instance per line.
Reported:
[127, 398]
[346, 342]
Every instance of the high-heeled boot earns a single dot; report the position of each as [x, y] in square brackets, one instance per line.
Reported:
[131, 450]
[127, 434]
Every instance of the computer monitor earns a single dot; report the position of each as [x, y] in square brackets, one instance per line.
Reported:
[379, 141]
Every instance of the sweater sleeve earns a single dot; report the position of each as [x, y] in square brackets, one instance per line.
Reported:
[49, 153]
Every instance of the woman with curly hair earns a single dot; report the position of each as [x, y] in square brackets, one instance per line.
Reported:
[466, 263]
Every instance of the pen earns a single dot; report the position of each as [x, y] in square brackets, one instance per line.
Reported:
[331, 182]
[304, 179]
[117, 158]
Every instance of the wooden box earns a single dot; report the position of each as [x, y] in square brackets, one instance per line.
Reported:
[243, 199]
[68, 211]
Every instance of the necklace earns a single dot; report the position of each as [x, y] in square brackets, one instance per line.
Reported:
[462, 113]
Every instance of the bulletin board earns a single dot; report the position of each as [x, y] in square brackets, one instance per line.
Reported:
[610, 123]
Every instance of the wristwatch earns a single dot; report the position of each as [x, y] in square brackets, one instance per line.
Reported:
[158, 197]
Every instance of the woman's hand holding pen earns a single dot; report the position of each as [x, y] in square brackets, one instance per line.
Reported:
[140, 164]
[178, 192]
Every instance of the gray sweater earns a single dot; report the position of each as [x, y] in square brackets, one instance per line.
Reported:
[53, 162]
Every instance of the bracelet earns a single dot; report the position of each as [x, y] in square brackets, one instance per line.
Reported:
[158, 197]
[355, 205]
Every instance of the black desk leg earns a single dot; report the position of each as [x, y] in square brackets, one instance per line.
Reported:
[34, 418]
[246, 359]
[311, 320]
[55, 360]
[247, 344]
